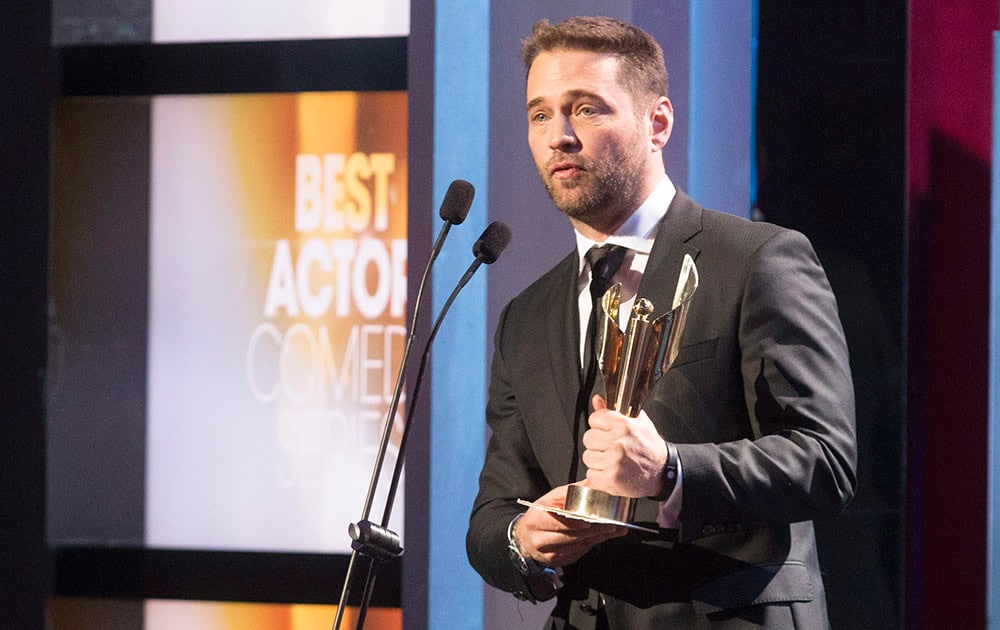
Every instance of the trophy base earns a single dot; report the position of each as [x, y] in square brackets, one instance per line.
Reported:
[586, 500]
[593, 506]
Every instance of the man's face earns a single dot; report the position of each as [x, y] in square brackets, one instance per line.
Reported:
[591, 148]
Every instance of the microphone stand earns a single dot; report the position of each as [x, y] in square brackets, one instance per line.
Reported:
[377, 542]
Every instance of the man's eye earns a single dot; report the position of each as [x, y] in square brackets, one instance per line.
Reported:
[539, 117]
[586, 110]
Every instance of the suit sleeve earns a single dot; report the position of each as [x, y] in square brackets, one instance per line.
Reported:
[800, 462]
[510, 472]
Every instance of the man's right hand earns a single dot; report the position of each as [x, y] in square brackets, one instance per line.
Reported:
[558, 541]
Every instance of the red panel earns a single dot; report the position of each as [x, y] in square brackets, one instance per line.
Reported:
[948, 149]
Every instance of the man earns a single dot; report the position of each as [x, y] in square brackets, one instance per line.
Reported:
[755, 416]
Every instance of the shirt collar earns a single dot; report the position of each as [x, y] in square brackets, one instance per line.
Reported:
[639, 229]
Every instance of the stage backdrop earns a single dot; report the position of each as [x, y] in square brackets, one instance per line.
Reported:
[277, 257]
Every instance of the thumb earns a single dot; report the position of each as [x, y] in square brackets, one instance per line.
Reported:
[598, 402]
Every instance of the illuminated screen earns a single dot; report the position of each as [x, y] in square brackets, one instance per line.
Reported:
[195, 20]
[228, 302]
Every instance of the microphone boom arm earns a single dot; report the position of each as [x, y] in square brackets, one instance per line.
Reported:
[375, 542]
[487, 249]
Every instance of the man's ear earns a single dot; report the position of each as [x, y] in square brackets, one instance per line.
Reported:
[662, 118]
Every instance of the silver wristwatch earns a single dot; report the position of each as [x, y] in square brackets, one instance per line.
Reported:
[525, 564]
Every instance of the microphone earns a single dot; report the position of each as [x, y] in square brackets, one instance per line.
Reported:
[454, 208]
[457, 201]
[492, 242]
[379, 543]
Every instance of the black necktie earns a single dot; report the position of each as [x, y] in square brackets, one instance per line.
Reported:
[604, 262]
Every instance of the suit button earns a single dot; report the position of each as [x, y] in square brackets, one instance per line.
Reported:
[521, 595]
[588, 609]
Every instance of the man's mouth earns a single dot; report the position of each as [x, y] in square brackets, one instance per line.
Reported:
[562, 170]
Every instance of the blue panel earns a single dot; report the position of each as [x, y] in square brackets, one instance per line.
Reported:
[458, 376]
[993, 509]
[719, 146]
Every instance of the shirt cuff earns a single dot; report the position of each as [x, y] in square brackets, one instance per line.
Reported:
[669, 516]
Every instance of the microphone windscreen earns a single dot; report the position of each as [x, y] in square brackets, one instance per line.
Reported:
[457, 201]
[492, 242]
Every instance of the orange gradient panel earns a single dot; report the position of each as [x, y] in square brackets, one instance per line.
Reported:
[115, 614]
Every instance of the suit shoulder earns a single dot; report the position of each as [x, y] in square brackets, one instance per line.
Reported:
[716, 220]
[741, 233]
[552, 284]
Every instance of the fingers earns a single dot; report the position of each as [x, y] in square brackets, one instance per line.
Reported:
[624, 456]
[610, 482]
[570, 541]
[555, 497]
[600, 461]
[606, 428]
[557, 540]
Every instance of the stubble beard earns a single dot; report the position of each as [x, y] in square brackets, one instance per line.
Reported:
[606, 189]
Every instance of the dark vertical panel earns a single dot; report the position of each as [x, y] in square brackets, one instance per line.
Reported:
[25, 564]
[420, 77]
[98, 310]
[831, 120]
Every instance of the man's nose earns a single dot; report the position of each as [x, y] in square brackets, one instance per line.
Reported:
[563, 134]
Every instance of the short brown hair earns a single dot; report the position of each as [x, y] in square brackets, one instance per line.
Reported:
[642, 69]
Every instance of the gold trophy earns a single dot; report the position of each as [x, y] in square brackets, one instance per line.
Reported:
[631, 362]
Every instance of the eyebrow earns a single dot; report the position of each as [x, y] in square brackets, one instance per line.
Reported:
[572, 94]
[533, 102]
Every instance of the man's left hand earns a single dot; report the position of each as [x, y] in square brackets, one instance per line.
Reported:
[624, 456]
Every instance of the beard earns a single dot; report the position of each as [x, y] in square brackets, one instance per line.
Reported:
[606, 187]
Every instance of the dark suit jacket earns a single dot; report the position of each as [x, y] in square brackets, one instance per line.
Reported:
[759, 403]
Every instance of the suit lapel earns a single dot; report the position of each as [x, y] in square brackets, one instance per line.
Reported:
[659, 281]
[562, 333]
